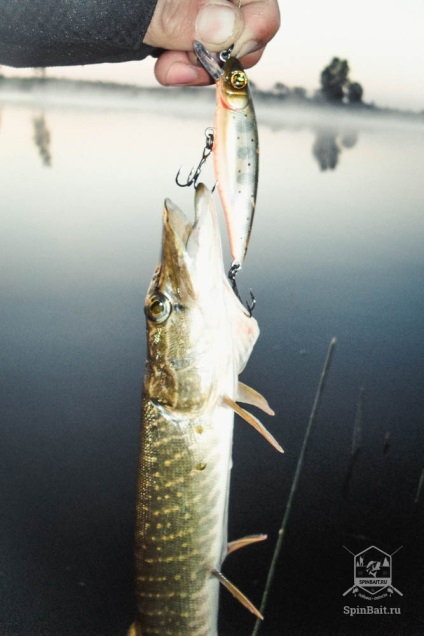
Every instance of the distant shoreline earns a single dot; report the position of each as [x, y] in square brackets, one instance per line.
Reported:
[38, 87]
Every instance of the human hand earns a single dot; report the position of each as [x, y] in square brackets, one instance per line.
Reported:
[217, 24]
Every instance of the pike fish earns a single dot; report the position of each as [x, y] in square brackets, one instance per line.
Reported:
[199, 338]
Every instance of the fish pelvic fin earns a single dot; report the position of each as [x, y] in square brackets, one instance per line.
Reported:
[245, 541]
[244, 328]
[134, 630]
[253, 421]
[247, 395]
[237, 594]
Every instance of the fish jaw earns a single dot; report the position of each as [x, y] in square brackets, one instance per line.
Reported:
[198, 245]
[203, 338]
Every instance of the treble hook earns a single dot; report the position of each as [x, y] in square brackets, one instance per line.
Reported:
[194, 174]
[234, 270]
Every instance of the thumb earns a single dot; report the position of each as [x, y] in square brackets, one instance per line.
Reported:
[217, 24]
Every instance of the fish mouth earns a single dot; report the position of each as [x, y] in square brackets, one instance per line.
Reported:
[192, 260]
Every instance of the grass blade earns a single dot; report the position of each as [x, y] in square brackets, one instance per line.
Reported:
[300, 461]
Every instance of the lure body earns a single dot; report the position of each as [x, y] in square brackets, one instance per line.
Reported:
[199, 339]
[236, 155]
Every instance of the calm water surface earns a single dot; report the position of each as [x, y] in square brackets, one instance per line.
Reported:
[337, 250]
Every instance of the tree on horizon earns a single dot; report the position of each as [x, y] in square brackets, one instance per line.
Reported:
[336, 85]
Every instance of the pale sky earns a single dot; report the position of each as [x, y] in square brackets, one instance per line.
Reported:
[382, 40]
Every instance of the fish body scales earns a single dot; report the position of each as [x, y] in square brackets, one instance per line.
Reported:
[181, 537]
[199, 338]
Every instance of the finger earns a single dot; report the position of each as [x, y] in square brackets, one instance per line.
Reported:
[178, 68]
[261, 22]
[174, 68]
[217, 24]
[251, 59]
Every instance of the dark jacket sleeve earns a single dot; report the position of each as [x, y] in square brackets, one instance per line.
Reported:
[66, 32]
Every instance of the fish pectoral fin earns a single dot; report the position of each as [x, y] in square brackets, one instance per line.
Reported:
[249, 396]
[237, 594]
[134, 630]
[253, 421]
[244, 541]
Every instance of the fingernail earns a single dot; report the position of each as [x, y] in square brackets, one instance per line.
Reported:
[180, 74]
[215, 24]
[248, 47]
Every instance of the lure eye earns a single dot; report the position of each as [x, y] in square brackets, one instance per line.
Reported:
[158, 307]
[238, 79]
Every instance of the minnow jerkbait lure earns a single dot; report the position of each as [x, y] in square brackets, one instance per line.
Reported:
[235, 148]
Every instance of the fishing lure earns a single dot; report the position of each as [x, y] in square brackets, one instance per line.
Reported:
[235, 149]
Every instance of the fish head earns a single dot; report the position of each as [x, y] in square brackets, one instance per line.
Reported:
[234, 85]
[199, 334]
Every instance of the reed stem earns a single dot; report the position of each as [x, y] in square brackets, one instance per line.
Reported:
[300, 461]
[420, 486]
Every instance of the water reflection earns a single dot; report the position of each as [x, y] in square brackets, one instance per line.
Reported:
[328, 257]
[332, 134]
[42, 138]
[328, 146]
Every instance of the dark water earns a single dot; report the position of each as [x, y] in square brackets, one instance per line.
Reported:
[336, 251]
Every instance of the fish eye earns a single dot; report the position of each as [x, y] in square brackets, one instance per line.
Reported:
[238, 79]
[158, 307]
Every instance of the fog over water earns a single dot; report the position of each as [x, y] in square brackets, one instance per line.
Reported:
[336, 250]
